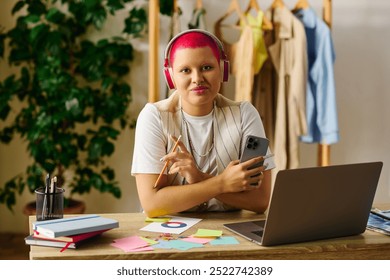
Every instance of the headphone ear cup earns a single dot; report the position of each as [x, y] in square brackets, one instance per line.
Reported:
[168, 77]
[225, 70]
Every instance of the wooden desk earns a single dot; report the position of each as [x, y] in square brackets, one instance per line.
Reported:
[370, 245]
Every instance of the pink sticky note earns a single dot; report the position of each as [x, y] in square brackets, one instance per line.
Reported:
[129, 243]
[197, 240]
[143, 249]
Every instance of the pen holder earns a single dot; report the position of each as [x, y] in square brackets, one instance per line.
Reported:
[49, 206]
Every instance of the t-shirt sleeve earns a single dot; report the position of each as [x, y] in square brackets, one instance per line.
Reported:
[150, 142]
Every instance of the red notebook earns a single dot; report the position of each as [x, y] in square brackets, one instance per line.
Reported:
[71, 238]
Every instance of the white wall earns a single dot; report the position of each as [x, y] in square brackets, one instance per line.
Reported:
[362, 75]
[362, 71]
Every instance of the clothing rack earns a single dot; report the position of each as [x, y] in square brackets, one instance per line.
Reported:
[323, 151]
[154, 39]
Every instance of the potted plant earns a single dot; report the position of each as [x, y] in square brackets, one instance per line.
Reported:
[69, 99]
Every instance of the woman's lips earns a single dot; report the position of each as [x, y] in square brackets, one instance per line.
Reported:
[199, 89]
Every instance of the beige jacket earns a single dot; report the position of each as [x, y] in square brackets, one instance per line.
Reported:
[289, 57]
[227, 133]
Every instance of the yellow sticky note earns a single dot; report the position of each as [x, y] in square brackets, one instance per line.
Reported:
[150, 241]
[208, 233]
[158, 219]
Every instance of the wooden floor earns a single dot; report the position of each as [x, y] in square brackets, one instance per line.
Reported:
[12, 247]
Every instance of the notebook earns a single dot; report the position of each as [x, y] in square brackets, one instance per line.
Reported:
[315, 203]
[73, 225]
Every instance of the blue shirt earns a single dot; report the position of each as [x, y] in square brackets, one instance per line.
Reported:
[321, 109]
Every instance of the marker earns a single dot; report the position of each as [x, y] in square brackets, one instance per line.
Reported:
[45, 197]
[53, 192]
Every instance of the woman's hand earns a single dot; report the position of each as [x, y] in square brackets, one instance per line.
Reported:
[183, 163]
[237, 177]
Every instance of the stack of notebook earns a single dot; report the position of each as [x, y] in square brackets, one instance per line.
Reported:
[69, 232]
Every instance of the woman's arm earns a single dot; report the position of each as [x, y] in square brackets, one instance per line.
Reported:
[172, 199]
[256, 200]
[236, 179]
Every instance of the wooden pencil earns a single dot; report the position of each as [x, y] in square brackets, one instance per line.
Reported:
[166, 163]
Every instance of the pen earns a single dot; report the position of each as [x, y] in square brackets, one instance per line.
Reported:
[50, 199]
[166, 163]
[44, 205]
[380, 215]
[53, 195]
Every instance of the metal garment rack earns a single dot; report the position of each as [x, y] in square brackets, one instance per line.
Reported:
[323, 151]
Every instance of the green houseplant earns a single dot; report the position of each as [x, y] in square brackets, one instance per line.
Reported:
[69, 99]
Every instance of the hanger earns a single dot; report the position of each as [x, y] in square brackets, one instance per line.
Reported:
[199, 4]
[301, 4]
[266, 24]
[234, 6]
[277, 4]
[252, 5]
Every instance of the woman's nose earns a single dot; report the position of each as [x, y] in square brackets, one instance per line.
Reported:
[197, 77]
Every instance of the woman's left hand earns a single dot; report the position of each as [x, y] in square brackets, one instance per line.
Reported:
[184, 164]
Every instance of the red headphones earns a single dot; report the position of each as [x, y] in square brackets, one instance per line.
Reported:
[224, 63]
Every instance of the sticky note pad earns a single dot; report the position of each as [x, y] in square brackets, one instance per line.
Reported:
[224, 240]
[149, 241]
[157, 219]
[208, 233]
[130, 243]
[197, 240]
[162, 244]
[183, 245]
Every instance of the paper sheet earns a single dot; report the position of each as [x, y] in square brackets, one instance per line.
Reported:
[175, 225]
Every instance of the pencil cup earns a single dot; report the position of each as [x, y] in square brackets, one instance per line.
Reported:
[49, 206]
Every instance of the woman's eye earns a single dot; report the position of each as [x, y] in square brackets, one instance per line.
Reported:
[185, 70]
[207, 67]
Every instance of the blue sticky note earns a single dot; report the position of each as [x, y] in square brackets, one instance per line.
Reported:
[183, 245]
[162, 244]
[225, 240]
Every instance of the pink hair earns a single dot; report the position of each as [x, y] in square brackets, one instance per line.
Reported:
[194, 40]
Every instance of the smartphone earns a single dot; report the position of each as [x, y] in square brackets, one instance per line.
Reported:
[254, 147]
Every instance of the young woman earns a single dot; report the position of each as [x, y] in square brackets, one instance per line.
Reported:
[204, 172]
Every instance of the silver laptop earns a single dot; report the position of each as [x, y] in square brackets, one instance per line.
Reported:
[315, 203]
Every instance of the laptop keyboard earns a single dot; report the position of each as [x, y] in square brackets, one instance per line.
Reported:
[258, 232]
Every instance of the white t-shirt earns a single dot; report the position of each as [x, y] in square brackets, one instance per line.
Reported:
[150, 141]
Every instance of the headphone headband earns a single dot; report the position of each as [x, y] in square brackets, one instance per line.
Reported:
[216, 40]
